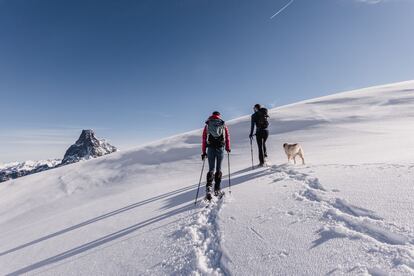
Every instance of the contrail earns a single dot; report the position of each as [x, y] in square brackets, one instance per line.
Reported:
[282, 9]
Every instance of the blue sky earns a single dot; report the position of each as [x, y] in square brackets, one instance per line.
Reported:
[137, 71]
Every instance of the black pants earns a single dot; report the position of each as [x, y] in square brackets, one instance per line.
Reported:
[261, 137]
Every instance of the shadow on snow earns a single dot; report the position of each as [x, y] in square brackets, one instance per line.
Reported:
[174, 198]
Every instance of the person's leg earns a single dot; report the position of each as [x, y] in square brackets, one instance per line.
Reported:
[259, 140]
[211, 156]
[265, 136]
[211, 164]
[219, 156]
[218, 175]
[217, 181]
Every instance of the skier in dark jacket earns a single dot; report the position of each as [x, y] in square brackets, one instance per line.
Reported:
[260, 120]
[215, 140]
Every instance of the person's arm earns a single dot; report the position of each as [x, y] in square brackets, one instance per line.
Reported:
[227, 134]
[252, 127]
[204, 141]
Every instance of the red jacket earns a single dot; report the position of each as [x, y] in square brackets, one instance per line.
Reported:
[205, 132]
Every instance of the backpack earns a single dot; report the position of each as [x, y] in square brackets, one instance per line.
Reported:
[215, 134]
[262, 119]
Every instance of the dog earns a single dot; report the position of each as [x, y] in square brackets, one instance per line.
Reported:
[293, 150]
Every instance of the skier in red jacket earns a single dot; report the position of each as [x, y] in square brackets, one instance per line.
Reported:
[215, 140]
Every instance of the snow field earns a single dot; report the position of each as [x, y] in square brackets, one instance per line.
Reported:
[348, 211]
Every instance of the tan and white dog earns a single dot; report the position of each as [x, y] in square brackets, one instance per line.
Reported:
[293, 150]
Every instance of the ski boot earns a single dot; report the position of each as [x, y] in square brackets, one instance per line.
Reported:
[217, 181]
[219, 194]
[209, 186]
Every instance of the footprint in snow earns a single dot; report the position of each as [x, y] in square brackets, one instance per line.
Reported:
[283, 254]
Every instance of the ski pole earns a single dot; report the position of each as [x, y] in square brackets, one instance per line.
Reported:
[228, 160]
[251, 151]
[199, 182]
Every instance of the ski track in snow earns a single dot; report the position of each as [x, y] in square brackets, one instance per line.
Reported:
[342, 219]
[203, 235]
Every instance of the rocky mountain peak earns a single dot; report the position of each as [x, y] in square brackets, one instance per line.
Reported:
[86, 147]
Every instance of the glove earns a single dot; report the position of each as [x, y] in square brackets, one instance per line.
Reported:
[251, 136]
[203, 156]
[228, 150]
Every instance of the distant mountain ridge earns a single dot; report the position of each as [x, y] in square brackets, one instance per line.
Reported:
[86, 147]
[19, 169]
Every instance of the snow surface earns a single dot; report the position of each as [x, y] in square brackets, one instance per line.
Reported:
[348, 211]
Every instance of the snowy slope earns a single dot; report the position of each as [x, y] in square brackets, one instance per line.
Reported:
[348, 211]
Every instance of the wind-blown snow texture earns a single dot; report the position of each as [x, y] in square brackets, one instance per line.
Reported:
[348, 211]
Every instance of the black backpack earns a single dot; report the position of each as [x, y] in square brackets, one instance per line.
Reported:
[262, 119]
[215, 134]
